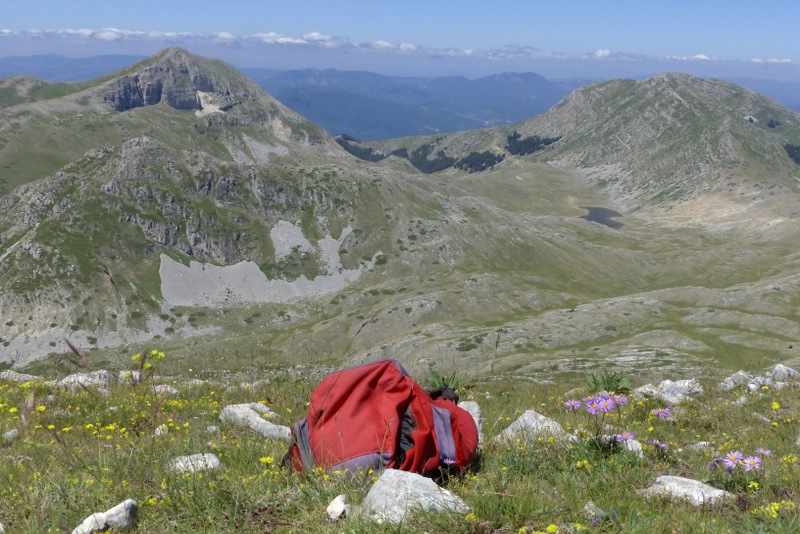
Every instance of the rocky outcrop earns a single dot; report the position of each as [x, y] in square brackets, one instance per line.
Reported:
[174, 81]
[673, 393]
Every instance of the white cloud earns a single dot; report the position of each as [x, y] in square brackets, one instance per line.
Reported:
[383, 45]
[772, 61]
[277, 38]
[603, 52]
[109, 34]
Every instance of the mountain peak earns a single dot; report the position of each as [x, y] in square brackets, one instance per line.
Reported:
[180, 80]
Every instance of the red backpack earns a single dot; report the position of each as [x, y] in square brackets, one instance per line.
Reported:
[376, 416]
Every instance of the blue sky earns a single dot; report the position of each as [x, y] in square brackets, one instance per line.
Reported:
[560, 37]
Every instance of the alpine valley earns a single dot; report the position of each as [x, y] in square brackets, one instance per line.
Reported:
[649, 226]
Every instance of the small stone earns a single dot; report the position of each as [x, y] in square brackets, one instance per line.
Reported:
[122, 515]
[251, 415]
[634, 447]
[195, 462]
[11, 434]
[212, 429]
[165, 389]
[338, 508]
[129, 377]
[693, 491]
[701, 446]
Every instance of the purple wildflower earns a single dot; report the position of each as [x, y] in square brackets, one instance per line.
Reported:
[751, 462]
[619, 400]
[606, 405]
[593, 407]
[625, 436]
[662, 412]
[572, 404]
[657, 444]
[716, 462]
[732, 459]
[763, 452]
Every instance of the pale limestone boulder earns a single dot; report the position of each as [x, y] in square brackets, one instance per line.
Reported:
[670, 392]
[736, 380]
[99, 380]
[531, 425]
[122, 515]
[251, 415]
[687, 489]
[13, 376]
[398, 494]
[781, 373]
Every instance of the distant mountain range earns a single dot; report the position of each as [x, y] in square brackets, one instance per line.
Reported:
[175, 203]
[368, 106]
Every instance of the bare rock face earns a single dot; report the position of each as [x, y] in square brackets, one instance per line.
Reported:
[175, 81]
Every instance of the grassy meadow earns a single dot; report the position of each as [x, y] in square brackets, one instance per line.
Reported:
[86, 452]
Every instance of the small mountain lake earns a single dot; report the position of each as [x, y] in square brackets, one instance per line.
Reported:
[602, 216]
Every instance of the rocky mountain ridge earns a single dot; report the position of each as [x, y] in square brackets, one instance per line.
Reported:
[479, 268]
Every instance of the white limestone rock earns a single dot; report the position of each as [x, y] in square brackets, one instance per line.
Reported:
[397, 494]
[99, 380]
[670, 392]
[634, 447]
[13, 376]
[251, 415]
[737, 379]
[11, 435]
[195, 462]
[338, 508]
[693, 491]
[532, 425]
[781, 373]
[129, 377]
[122, 515]
[165, 390]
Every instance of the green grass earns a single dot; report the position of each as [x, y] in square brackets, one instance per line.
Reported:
[87, 452]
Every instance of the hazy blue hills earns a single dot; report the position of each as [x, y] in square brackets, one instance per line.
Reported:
[370, 106]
